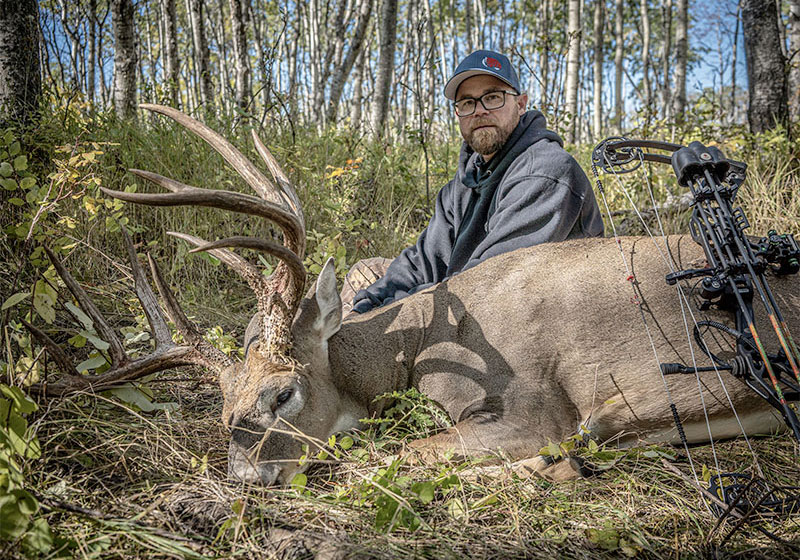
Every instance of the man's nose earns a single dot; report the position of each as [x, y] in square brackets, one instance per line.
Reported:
[480, 109]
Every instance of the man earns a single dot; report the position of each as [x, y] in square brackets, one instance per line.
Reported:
[515, 186]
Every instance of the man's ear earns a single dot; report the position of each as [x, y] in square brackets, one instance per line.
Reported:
[522, 103]
[330, 304]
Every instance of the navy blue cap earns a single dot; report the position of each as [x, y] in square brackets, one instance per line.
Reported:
[482, 62]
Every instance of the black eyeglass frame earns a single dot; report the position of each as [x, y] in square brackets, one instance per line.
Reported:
[476, 99]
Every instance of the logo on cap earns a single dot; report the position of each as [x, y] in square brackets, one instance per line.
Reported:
[490, 62]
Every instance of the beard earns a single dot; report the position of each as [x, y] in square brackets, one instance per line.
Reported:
[487, 138]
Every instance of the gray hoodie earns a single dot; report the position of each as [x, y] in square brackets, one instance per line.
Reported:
[530, 192]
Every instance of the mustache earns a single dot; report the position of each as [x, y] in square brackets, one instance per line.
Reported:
[481, 123]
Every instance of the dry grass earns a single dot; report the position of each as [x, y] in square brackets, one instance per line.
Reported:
[153, 486]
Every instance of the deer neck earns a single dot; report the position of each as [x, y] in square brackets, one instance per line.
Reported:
[374, 354]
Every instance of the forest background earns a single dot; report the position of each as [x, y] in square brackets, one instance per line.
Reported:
[348, 96]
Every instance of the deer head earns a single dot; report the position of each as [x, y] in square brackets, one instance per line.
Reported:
[281, 397]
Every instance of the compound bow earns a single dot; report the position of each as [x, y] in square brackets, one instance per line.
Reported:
[736, 271]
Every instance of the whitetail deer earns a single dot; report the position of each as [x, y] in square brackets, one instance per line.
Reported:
[519, 351]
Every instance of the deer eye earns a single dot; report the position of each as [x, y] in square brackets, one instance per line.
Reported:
[283, 396]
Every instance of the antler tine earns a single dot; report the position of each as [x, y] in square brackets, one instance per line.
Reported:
[297, 271]
[185, 195]
[214, 358]
[250, 274]
[249, 172]
[60, 357]
[279, 176]
[147, 298]
[116, 348]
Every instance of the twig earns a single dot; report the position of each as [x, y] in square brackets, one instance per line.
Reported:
[673, 469]
[53, 504]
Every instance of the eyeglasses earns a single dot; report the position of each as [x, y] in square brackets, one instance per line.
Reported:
[490, 101]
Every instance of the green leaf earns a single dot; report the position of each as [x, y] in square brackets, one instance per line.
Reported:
[15, 299]
[346, 443]
[21, 402]
[14, 521]
[299, 481]
[13, 149]
[43, 305]
[6, 169]
[16, 201]
[39, 537]
[15, 437]
[21, 163]
[91, 363]
[9, 184]
[425, 491]
[96, 342]
[27, 183]
[135, 396]
[80, 315]
[25, 502]
[606, 538]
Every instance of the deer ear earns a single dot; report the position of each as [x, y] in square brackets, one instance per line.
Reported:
[328, 301]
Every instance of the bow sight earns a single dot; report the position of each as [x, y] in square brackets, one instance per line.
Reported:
[736, 265]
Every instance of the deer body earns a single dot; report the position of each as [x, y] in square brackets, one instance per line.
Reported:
[525, 348]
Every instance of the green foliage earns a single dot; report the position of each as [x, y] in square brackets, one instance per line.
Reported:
[409, 414]
[18, 443]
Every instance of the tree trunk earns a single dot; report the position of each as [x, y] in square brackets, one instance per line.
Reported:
[383, 84]
[342, 71]
[766, 66]
[619, 103]
[597, 110]
[201, 55]
[681, 60]
[240, 54]
[544, 55]
[125, 65]
[20, 81]
[794, 58]
[648, 92]
[171, 69]
[573, 65]
[90, 74]
[666, 52]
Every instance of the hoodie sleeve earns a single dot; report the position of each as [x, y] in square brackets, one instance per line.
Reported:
[418, 266]
[542, 200]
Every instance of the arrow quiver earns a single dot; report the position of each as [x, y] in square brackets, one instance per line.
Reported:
[735, 274]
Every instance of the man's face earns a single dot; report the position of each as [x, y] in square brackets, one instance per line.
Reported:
[487, 131]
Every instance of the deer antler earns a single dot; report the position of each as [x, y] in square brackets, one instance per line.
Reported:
[166, 355]
[278, 296]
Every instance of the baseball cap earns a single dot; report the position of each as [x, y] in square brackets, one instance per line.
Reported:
[482, 62]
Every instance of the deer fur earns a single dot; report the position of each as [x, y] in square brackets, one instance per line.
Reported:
[522, 350]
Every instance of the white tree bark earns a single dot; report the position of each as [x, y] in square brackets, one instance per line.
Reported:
[388, 31]
[681, 59]
[573, 65]
[597, 98]
[125, 64]
[619, 102]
